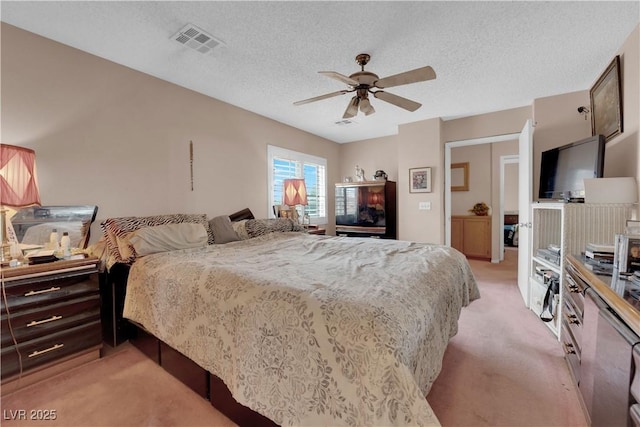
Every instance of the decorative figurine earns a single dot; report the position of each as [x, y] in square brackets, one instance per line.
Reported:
[359, 173]
[380, 175]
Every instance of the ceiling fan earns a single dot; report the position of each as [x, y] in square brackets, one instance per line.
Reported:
[363, 82]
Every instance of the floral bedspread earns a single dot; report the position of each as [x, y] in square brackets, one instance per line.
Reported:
[310, 330]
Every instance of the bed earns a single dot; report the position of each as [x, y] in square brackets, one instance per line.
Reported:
[307, 329]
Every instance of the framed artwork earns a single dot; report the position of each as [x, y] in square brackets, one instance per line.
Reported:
[606, 102]
[460, 176]
[420, 180]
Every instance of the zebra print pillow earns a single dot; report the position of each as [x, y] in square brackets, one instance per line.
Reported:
[258, 227]
[116, 229]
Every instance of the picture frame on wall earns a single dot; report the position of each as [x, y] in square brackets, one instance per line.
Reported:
[420, 180]
[606, 102]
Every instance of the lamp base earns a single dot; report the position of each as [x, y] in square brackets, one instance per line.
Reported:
[5, 256]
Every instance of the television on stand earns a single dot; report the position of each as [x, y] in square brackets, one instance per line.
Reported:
[563, 169]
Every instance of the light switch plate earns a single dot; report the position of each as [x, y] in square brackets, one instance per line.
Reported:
[424, 206]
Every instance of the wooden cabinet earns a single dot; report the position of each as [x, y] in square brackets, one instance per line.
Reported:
[366, 209]
[471, 235]
[52, 314]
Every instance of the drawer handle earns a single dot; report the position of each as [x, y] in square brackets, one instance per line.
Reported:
[568, 348]
[46, 350]
[42, 291]
[573, 319]
[40, 322]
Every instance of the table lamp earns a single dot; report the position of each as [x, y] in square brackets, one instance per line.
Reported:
[18, 186]
[295, 193]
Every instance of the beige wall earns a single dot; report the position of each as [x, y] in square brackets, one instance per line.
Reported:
[419, 145]
[107, 135]
[114, 137]
[622, 153]
[371, 155]
[557, 121]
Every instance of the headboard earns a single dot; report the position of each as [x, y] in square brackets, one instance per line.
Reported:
[240, 215]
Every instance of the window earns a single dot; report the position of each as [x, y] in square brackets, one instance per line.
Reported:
[284, 164]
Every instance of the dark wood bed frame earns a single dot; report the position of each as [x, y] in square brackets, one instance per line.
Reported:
[205, 384]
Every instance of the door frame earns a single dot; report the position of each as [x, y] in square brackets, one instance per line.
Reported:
[447, 171]
[504, 160]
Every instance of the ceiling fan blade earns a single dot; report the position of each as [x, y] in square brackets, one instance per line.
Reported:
[413, 76]
[340, 77]
[398, 101]
[352, 108]
[318, 98]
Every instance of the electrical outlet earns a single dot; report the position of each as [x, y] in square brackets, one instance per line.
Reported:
[424, 206]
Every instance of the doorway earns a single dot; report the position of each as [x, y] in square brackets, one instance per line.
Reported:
[509, 171]
[497, 223]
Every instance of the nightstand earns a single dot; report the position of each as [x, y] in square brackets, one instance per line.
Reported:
[51, 320]
[315, 229]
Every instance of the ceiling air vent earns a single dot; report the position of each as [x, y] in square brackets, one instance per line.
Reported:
[345, 122]
[196, 39]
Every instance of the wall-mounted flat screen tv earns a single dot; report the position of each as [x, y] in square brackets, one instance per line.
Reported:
[563, 169]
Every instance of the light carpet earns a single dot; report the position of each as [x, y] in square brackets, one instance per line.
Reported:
[504, 368]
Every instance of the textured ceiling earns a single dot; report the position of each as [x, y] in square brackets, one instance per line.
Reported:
[488, 56]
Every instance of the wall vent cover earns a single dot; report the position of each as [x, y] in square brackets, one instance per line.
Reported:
[196, 39]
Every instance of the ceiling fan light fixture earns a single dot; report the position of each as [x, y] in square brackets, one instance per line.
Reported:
[352, 108]
[366, 107]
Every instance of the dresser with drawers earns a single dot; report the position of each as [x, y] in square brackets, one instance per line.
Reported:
[50, 319]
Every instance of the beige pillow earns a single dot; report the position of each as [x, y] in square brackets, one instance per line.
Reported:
[222, 230]
[168, 237]
[240, 228]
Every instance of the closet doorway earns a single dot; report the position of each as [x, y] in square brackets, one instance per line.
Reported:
[509, 218]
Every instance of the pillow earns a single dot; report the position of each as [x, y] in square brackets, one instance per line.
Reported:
[117, 228]
[240, 229]
[167, 237]
[259, 227]
[222, 230]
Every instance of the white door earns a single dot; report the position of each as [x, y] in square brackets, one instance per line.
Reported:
[525, 171]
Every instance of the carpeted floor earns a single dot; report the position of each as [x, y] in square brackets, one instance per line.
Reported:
[504, 368]
[124, 388]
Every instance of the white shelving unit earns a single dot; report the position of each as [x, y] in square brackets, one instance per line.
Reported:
[569, 226]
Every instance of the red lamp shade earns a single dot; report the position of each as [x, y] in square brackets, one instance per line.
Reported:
[18, 178]
[295, 192]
